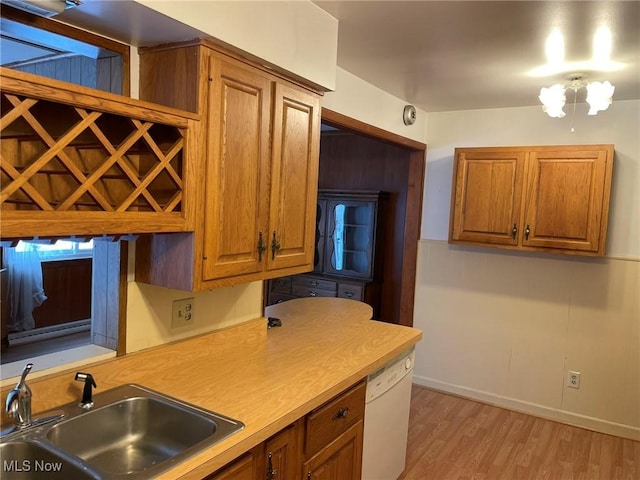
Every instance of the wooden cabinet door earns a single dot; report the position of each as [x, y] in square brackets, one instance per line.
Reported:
[247, 467]
[294, 177]
[567, 198]
[237, 170]
[486, 198]
[282, 454]
[340, 460]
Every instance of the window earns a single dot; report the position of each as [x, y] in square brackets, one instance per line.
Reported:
[59, 295]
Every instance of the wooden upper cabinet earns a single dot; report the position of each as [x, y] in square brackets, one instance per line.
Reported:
[258, 179]
[568, 199]
[237, 171]
[487, 195]
[552, 198]
[294, 178]
[79, 161]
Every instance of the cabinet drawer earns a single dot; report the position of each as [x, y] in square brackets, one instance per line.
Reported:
[353, 291]
[334, 418]
[312, 292]
[280, 285]
[313, 282]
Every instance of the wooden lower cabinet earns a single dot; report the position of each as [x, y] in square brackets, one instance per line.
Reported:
[324, 444]
[276, 459]
[248, 467]
[282, 453]
[339, 460]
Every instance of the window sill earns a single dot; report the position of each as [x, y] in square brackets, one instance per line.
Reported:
[55, 362]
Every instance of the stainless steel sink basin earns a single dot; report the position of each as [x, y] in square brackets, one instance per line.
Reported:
[28, 460]
[131, 431]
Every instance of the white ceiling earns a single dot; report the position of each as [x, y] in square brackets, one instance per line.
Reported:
[437, 55]
[460, 55]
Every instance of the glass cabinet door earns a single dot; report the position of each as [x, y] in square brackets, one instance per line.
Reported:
[318, 254]
[349, 241]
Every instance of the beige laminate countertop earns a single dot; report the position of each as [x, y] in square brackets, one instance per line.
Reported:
[266, 378]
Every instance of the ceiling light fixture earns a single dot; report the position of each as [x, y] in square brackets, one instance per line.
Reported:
[599, 95]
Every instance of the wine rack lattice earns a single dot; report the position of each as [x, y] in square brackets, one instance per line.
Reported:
[80, 151]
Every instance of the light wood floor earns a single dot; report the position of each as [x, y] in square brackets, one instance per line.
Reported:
[456, 438]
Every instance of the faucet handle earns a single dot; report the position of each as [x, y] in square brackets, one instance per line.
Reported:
[23, 379]
[89, 382]
[18, 403]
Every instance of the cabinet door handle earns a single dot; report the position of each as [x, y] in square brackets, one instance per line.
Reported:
[527, 231]
[275, 246]
[271, 473]
[514, 231]
[342, 413]
[309, 475]
[262, 246]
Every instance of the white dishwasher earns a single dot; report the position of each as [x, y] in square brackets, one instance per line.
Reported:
[386, 419]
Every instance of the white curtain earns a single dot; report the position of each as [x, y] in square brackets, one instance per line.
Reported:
[25, 290]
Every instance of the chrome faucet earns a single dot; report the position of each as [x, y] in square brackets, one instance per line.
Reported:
[18, 403]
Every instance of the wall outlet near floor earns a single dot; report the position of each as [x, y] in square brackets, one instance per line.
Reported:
[573, 379]
[182, 312]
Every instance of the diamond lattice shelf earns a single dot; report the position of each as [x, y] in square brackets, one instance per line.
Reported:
[80, 161]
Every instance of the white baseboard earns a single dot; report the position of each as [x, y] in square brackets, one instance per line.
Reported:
[562, 416]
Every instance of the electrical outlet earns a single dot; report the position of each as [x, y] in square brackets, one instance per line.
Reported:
[182, 312]
[573, 379]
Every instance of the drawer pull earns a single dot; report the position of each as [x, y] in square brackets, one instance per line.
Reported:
[348, 293]
[314, 283]
[313, 294]
[342, 413]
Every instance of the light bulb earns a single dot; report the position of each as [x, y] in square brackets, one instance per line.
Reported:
[599, 96]
[553, 99]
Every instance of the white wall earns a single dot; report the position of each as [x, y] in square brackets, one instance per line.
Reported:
[358, 99]
[149, 312]
[295, 35]
[505, 327]
[529, 126]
